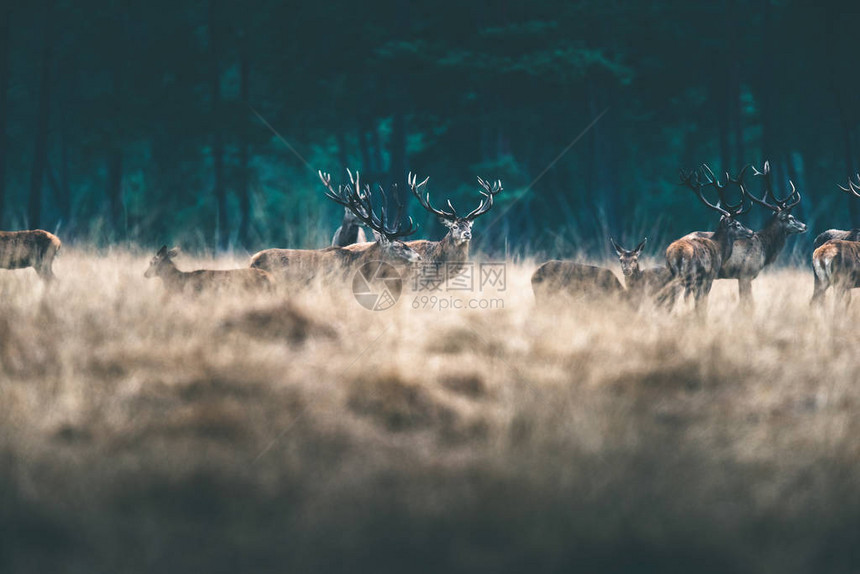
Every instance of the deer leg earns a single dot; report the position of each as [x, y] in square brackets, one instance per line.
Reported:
[667, 296]
[703, 291]
[843, 294]
[745, 298]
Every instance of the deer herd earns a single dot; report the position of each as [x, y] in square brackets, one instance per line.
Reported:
[693, 262]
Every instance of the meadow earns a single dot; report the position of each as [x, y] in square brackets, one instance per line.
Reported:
[296, 431]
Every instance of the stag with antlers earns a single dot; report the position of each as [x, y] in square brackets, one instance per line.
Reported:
[695, 261]
[750, 255]
[853, 190]
[304, 264]
[454, 247]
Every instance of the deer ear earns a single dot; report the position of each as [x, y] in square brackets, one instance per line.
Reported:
[446, 222]
[173, 252]
[162, 251]
[617, 247]
[640, 246]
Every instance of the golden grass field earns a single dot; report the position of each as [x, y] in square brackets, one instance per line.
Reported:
[298, 432]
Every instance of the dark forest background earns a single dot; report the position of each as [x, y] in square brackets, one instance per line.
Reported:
[152, 122]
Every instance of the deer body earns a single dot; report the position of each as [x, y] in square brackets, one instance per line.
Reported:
[176, 281]
[577, 280]
[298, 264]
[306, 264]
[836, 264]
[36, 249]
[841, 234]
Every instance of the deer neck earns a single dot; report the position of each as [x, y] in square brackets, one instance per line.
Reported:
[447, 250]
[724, 241]
[635, 279]
[350, 231]
[772, 237]
[169, 273]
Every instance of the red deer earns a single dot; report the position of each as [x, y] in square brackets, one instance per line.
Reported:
[36, 249]
[853, 190]
[176, 281]
[574, 280]
[305, 264]
[695, 261]
[641, 284]
[750, 255]
[454, 247]
[349, 232]
[836, 263]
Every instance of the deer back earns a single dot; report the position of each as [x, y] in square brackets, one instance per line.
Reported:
[574, 279]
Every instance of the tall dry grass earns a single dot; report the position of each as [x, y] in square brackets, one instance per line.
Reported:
[298, 432]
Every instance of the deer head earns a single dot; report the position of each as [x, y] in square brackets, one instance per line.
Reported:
[698, 180]
[781, 208]
[460, 228]
[388, 230]
[162, 260]
[629, 259]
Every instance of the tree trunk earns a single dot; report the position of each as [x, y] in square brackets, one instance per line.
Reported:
[603, 173]
[4, 86]
[40, 151]
[244, 153]
[398, 167]
[737, 114]
[114, 189]
[221, 227]
[64, 199]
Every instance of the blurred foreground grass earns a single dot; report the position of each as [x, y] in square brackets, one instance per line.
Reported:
[299, 432]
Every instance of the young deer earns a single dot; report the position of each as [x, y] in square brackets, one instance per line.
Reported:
[305, 264]
[852, 190]
[575, 280]
[176, 281]
[836, 263]
[641, 283]
[454, 247]
[695, 261]
[36, 249]
[349, 232]
[750, 255]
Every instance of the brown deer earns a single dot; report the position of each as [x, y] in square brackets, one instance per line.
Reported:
[349, 232]
[695, 261]
[454, 247]
[574, 280]
[176, 281]
[35, 248]
[750, 255]
[853, 190]
[836, 263]
[641, 284]
[305, 264]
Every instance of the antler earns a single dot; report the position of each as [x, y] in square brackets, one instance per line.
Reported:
[425, 200]
[693, 180]
[360, 202]
[775, 203]
[489, 192]
[486, 204]
[853, 188]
